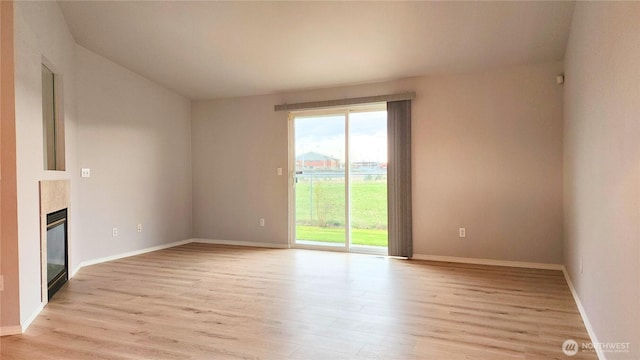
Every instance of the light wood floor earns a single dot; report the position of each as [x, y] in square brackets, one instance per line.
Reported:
[204, 301]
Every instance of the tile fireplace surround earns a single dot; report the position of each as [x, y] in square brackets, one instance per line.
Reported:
[54, 196]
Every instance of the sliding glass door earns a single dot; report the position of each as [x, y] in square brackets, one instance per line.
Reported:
[339, 180]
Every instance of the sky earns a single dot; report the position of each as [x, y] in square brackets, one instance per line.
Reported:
[325, 135]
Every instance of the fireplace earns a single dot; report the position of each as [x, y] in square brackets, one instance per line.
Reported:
[57, 248]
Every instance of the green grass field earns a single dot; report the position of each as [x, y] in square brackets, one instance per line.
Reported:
[337, 235]
[320, 211]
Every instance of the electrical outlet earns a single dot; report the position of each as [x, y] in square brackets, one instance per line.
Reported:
[462, 232]
[261, 222]
[85, 173]
[279, 171]
[114, 232]
[139, 228]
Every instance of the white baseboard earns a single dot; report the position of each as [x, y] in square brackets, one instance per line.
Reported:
[10, 330]
[241, 243]
[13, 330]
[583, 314]
[127, 254]
[16, 330]
[530, 265]
[21, 329]
[520, 264]
[25, 325]
[175, 243]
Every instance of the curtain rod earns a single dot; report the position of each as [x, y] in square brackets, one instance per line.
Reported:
[346, 102]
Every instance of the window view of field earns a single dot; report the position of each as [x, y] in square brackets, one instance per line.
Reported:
[320, 197]
[320, 209]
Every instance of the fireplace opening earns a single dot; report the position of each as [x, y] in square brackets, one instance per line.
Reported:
[57, 258]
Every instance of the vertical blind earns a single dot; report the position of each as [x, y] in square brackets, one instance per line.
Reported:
[399, 178]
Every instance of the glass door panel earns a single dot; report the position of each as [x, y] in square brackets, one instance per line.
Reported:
[368, 178]
[320, 200]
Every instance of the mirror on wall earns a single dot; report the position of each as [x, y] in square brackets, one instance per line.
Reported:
[53, 131]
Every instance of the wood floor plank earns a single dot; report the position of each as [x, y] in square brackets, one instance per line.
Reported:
[203, 301]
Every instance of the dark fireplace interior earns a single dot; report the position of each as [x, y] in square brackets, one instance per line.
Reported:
[57, 259]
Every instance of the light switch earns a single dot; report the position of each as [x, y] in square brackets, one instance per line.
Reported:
[279, 171]
[86, 172]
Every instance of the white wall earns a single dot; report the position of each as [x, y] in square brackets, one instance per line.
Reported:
[237, 145]
[487, 155]
[134, 135]
[40, 31]
[602, 168]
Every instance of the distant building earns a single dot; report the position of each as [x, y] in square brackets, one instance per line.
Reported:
[316, 161]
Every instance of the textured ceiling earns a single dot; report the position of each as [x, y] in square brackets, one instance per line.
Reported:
[206, 50]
